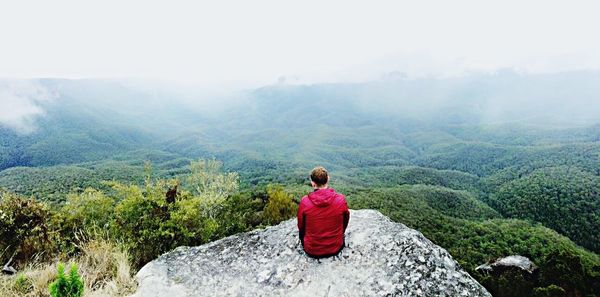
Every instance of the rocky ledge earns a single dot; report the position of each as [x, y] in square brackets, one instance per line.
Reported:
[382, 258]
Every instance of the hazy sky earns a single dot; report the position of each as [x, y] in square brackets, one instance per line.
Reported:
[256, 42]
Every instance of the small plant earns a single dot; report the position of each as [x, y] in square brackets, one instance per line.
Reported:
[67, 286]
[22, 284]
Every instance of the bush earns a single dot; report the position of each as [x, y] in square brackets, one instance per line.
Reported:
[24, 228]
[280, 207]
[149, 225]
[66, 286]
[89, 211]
[86, 215]
[139, 223]
[241, 213]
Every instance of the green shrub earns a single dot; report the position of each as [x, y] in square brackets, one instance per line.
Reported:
[139, 220]
[90, 210]
[241, 213]
[24, 227]
[67, 286]
[207, 180]
[149, 225]
[280, 207]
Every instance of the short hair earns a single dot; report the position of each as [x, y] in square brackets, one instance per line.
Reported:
[319, 176]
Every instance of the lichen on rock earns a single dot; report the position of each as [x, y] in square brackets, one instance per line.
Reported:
[382, 258]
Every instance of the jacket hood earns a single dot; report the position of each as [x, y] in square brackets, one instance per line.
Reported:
[322, 197]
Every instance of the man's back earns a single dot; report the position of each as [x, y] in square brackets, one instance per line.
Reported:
[322, 220]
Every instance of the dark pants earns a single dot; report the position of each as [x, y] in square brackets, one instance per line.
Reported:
[323, 256]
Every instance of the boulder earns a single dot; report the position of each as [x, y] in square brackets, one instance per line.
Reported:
[510, 276]
[382, 258]
[514, 262]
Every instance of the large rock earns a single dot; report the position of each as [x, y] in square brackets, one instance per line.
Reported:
[382, 258]
[518, 271]
[514, 262]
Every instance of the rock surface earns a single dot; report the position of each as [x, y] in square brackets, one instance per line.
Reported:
[382, 258]
[515, 261]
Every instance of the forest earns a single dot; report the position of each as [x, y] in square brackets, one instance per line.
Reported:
[94, 175]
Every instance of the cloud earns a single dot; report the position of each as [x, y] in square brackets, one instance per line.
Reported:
[20, 104]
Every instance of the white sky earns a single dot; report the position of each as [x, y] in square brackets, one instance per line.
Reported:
[255, 42]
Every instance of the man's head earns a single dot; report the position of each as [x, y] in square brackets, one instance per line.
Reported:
[319, 177]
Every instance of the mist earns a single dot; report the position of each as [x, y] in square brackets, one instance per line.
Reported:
[553, 100]
[504, 96]
[20, 104]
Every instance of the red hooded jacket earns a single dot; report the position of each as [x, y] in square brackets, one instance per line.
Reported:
[322, 220]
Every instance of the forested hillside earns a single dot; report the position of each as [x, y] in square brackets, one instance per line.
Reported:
[479, 172]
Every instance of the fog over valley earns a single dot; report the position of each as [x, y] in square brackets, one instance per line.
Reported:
[545, 100]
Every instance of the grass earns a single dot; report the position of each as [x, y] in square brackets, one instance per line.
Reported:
[103, 266]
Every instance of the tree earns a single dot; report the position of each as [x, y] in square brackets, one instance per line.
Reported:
[280, 205]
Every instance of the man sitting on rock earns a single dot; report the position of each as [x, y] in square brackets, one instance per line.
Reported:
[322, 218]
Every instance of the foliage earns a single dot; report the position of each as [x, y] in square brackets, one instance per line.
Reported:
[207, 181]
[565, 199]
[485, 159]
[139, 217]
[91, 211]
[509, 283]
[55, 183]
[24, 227]
[389, 176]
[149, 225]
[280, 206]
[140, 222]
[459, 204]
[67, 285]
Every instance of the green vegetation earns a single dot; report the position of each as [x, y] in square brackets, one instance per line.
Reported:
[24, 227]
[22, 284]
[144, 219]
[67, 285]
[151, 225]
[280, 207]
[566, 199]
[479, 190]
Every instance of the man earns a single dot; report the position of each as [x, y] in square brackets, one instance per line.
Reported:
[322, 217]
